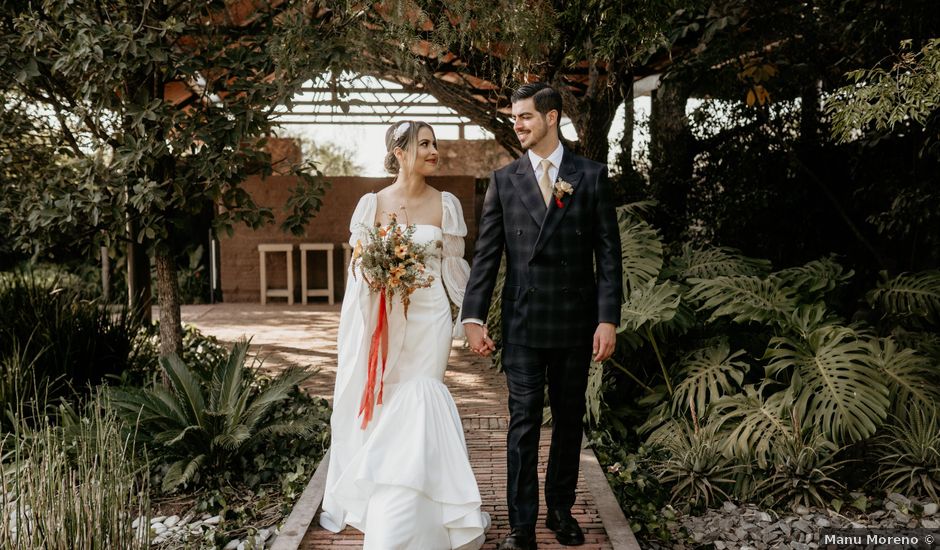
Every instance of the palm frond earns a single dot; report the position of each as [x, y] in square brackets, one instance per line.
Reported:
[181, 471]
[915, 294]
[744, 298]
[227, 380]
[709, 263]
[835, 381]
[186, 387]
[707, 374]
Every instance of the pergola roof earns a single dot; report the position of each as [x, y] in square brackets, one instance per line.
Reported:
[365, 100]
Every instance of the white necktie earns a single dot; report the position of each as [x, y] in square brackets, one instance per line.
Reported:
[545, 182]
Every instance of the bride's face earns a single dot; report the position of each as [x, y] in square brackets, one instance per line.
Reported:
[426, 159]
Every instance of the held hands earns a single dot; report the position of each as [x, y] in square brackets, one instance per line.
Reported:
[605, 340]
[478, 339]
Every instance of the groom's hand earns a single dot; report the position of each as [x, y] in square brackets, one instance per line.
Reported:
[605, 340]
[478, 339]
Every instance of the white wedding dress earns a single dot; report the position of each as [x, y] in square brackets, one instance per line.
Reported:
[405, 480]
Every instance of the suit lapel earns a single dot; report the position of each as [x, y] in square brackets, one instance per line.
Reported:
[523, 179]
[569, 172]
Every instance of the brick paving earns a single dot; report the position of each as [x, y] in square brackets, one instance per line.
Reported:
[307, 335]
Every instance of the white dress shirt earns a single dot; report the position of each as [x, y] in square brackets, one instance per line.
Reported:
[555, 158]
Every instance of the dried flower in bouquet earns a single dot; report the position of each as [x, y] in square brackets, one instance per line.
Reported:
[391, 262]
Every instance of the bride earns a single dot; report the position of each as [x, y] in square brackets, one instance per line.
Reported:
[404, 479]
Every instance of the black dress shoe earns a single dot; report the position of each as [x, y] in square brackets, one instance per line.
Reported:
[565, 527]
[519, 539]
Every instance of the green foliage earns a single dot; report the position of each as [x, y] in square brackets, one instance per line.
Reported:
[710, 263]
[910, 295]
[79, 484]
[744, 298]
[835, 381]
[911, 378]
[803, 471]
[707, 374]
[909, 454]
[55, 343]
[881, 99]
[756, 424]
[694, 467]
[199, 426]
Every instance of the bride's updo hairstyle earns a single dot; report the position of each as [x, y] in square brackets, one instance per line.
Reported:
[404, 136]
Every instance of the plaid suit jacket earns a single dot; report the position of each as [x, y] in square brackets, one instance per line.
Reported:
[553, 297]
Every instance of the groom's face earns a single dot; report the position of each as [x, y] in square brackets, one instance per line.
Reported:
[530, 126]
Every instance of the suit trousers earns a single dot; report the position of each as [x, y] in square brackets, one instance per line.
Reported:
[566, 370]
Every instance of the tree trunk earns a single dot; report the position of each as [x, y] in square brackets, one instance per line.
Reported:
[592, 114]
[171, 330]
[670, 157]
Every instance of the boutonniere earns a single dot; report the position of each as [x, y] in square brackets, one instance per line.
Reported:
[561, 188]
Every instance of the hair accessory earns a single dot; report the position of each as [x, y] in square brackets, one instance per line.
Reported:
[400, 131]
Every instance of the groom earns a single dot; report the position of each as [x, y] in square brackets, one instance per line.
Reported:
[550, 210]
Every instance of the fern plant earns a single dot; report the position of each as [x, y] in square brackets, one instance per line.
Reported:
[199, 426]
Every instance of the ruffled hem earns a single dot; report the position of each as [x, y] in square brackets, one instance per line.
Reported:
[416, 451]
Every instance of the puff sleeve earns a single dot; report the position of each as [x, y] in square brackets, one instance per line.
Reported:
[455, 271]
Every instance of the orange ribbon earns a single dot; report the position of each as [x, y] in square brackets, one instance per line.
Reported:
[379, 338]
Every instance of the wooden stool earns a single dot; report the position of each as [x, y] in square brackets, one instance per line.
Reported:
[328, 291]
[288, 292]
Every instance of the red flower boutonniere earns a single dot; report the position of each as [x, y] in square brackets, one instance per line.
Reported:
[561, 188]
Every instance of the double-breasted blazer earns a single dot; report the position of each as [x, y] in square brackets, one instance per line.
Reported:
[553, 295]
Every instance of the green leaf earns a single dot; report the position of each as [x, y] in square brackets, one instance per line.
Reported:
[917, 294]
[649, 304]
[707, 374]
[835, 380]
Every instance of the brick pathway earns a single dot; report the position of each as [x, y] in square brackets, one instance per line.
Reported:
[307, 335]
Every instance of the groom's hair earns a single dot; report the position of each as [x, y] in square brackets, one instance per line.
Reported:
[544, 96]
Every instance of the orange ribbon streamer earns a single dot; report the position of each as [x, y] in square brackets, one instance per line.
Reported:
[379, 338]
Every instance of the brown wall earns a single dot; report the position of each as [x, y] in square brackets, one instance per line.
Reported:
[240, 264]
[474, 157]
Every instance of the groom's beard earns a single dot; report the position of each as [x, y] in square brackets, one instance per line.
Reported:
[535, 136]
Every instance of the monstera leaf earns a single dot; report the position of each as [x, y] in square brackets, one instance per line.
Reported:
[820, 275]
[835, 380]
[744, 298]
[638, 210]
[917, 294]
[911, 378]
[651, 303]
[641, 252]
[708, 263]
[707, 374]
[758, 423]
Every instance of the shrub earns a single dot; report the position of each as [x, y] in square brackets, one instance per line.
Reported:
[51, 334]
[199, 426]
[909, 455]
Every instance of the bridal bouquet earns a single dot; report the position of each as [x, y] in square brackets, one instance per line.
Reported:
[391, 262]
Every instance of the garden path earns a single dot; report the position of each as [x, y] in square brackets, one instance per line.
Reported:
[306, 335]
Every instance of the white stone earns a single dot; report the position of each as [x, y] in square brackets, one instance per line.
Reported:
[264, 534]
[158, 529]
[232, 544]
[171, 521]
[214, 520]
[157, 519]
[930, 508]
[241, 546]
[822, 522]
[930, 524]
